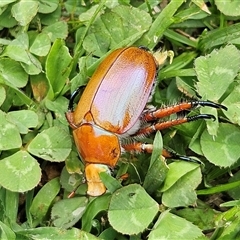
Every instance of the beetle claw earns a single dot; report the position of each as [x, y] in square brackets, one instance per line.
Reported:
[201, 116]
[209, 104]
[188, 159]
[169, 153]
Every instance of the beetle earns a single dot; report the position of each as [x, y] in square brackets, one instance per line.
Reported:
[112, 109]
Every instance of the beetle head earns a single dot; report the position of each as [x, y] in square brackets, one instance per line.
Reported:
[95, 185]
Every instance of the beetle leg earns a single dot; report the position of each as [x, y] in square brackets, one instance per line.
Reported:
[167, 111]
[73, 96]
[167, 153]
[69, 113]
[167, 124]
[138, 147]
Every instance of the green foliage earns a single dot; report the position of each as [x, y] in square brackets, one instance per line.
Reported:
[47, 50]
[180, 184]
[171, 225]
[52, 144]
[136, 205]
[20, 167]
[43, 200]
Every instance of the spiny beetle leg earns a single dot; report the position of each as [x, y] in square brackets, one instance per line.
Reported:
[142, 147]
[138, 147]
[163, 125]
[167, 111]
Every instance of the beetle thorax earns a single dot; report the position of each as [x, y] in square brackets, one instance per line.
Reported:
[96, 145]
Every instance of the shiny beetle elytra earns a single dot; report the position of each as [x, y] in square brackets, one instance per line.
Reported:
[113, 108]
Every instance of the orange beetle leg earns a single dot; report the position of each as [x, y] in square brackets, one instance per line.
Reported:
[124, 176]
[171, 123]
[72, 194]
[142, 147]
[95, 184]
[138, 147]
[167, 111]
